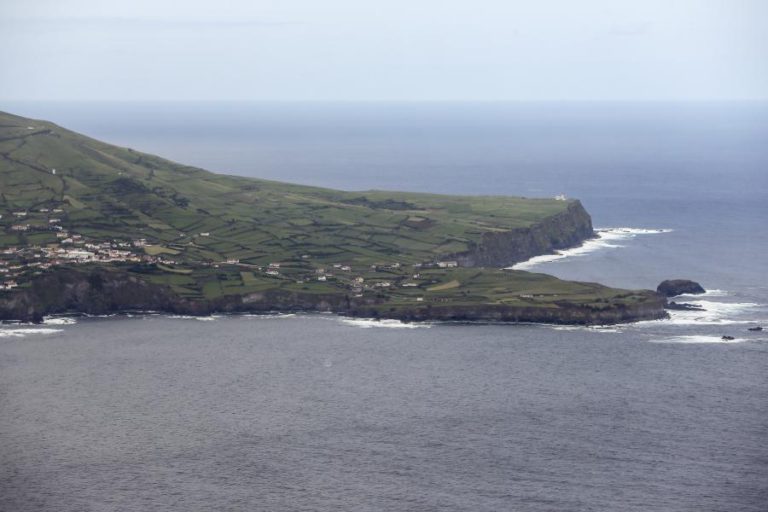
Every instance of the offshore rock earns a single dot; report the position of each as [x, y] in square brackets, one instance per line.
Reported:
[674, 287]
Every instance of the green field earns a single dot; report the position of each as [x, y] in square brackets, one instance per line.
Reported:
[219, 233]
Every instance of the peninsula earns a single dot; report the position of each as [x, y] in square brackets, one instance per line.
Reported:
[88, 227]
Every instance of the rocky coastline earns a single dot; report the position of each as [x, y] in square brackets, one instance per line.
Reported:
[102, 292]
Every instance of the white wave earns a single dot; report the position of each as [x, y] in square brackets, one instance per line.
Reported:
[714, 313]
[207, 318]
[696, 338]
[269, 316]
[59, 320]
[714, 293]
[589, 328]
[696, 297]
[368, 323]
[192, 317]
[606, 238]
[20, 333]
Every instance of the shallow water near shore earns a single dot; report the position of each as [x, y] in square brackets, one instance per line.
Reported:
[319, 412]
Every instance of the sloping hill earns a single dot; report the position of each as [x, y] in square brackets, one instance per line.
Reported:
[87, 226]
[108, 191]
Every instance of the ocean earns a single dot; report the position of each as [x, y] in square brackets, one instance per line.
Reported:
[317, 412]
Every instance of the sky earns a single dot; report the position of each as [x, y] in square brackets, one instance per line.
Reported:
[374, 50]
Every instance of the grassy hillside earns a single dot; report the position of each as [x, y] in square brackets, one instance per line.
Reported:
[108, 191]
[68, 201]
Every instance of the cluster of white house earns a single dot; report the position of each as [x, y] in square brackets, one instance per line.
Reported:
[72, 248]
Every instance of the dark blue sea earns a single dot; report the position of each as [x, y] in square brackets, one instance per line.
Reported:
[321, 413]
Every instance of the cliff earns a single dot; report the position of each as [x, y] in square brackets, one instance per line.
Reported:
[566, 229]
[101, 291]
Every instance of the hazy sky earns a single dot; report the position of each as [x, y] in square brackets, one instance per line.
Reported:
[383, 49]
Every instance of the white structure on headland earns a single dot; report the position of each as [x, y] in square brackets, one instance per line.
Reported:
[561, 197]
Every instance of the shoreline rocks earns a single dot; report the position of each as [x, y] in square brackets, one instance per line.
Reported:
[100, 291]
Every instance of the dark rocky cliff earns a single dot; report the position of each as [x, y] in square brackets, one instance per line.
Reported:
[651, 308]
[566, 229]
[98, 291]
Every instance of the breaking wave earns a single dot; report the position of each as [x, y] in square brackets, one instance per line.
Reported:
[607, 238]
[368, 323]
[59, 320]
[191, 317]
[23, 332]
[698, 338]
[713, 313]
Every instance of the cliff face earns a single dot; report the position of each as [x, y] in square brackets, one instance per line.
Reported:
[651, 308]
[566, 229]
[99, 292]
[95, 292]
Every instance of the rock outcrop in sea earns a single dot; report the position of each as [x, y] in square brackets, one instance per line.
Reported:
[674, 287]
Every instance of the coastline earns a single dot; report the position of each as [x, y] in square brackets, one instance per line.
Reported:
[101, 293]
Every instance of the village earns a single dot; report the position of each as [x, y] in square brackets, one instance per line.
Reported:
[21, 261]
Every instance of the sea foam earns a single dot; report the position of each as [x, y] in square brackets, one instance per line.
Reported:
[368, 323]
[21, 333]
[59, 320]
[715, 313]
[192, 317]
[697, 338]
[607, 238]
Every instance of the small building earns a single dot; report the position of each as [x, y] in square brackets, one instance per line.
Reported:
[447, 264]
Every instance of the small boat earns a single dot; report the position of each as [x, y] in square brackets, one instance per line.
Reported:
[758, 328]
[728, 338]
